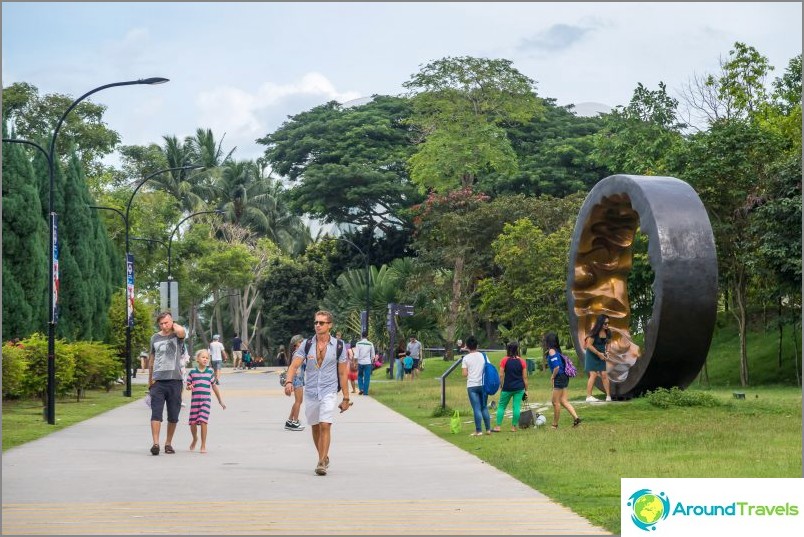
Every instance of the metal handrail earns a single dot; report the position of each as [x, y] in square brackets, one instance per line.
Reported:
[443, 380]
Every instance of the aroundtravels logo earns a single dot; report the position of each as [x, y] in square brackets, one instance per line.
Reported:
[648, 508]
[702, 507]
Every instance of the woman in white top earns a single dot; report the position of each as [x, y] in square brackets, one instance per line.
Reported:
[472, 368]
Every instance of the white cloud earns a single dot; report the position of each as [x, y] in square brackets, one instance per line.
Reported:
[244, 115]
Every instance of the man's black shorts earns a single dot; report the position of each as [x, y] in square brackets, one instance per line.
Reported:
[166, 392]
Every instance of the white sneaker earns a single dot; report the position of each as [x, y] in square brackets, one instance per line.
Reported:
[293, 425]
[608, 399]
[590, 399]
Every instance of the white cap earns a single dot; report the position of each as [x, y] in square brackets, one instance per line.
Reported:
[216, 337]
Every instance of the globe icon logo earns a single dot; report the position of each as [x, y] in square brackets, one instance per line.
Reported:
[648, 508]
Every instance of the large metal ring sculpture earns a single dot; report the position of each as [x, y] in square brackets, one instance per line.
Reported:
[681, 252]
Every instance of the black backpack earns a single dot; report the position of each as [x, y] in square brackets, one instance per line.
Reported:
[338, 353]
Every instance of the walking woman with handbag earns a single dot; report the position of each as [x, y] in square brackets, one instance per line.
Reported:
[558, 379]
[514, 385]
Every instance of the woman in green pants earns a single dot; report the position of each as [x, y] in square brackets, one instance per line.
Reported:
[514, 382]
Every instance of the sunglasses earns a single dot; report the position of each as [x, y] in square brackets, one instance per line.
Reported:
[319, 323]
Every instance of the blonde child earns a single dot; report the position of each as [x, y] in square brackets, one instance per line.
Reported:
[199, 381]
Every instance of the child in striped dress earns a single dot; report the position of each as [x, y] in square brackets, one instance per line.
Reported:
[201, 380]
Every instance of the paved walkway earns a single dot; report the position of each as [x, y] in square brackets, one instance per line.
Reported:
[98, 477]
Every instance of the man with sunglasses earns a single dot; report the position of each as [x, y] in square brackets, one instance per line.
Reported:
[325, 372]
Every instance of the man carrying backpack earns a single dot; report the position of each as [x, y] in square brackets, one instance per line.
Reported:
[472, 367]
[326, 372]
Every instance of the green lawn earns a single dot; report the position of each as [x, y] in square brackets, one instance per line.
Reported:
[23, 420]
[759, 436]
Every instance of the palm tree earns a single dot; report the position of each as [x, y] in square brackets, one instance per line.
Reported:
[251, 200]
[184, 185]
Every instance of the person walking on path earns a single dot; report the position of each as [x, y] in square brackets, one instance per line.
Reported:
[282, 356]
[558, 379]
[292, 423]
[472, 369]
[597, 344]
[237, 351]
[326, 371]
[364, 354]
[164, 378]
[200, 381]
[218, 354]
[514, 385]
[415, 348]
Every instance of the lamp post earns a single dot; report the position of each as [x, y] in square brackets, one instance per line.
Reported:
[368, 274]
[170, 244]
[53, 250]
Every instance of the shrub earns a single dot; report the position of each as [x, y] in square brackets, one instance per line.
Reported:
[439, 412]
[96, 366]
[15, 365]
[35, 380]
[664, 398]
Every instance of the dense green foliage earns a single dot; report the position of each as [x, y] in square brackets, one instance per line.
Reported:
[460, 195]
[25, 252]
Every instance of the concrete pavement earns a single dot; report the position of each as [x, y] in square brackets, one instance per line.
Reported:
[98, 477]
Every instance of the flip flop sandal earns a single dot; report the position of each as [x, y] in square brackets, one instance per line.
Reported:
[169, 449]
[155, 449]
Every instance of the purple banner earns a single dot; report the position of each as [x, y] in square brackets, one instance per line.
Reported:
[130, 289]
[54, 313]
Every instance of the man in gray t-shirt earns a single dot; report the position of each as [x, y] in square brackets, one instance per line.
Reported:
[415, 349]
[165, 379]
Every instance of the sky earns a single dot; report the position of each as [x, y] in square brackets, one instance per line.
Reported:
[241, 69]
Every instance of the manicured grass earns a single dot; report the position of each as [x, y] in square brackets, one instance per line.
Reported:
[23, 420]
[759, 436]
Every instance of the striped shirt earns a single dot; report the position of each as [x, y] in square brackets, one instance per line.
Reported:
[201, 383]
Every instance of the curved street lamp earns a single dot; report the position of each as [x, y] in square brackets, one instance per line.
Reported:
[53, 250]
[170, 244]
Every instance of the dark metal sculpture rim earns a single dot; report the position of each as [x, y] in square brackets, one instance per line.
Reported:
[682, 253]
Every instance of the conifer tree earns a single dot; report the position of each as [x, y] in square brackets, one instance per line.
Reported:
[25, 272]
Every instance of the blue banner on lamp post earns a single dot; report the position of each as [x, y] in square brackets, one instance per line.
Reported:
[130, 289]
[54, 313]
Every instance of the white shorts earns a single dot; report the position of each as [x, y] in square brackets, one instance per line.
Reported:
[320, 410]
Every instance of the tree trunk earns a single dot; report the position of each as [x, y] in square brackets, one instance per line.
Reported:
[454, 305]
[781, 329]
[216, 314]
[201, 332]
[796, 355]
[739, 294]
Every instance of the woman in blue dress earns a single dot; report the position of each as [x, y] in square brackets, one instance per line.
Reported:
[597, 344]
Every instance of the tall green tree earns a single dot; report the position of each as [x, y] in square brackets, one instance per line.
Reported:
[34, 116]
[751, 153]
[85, 262]
[529, 295]
[292, 292]
[25, 247]
[553, 150]
[641, 138]
[347, 165]
[461, 107]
